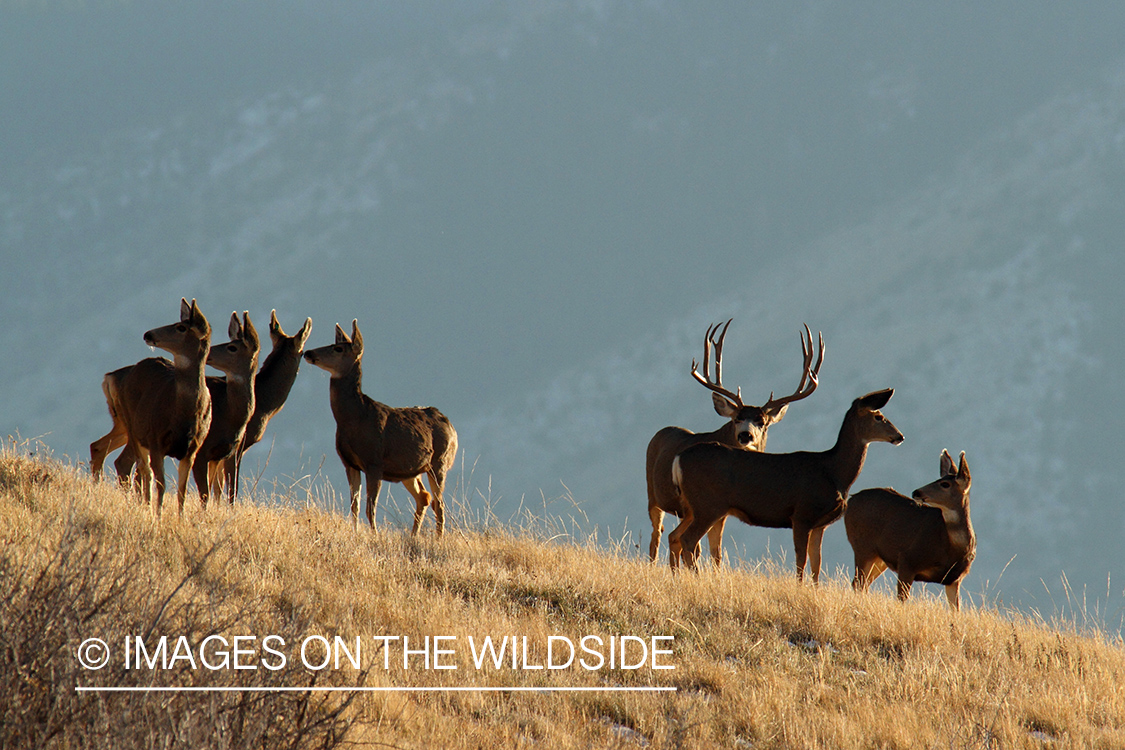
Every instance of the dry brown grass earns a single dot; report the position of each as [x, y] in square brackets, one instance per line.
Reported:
[759, 660]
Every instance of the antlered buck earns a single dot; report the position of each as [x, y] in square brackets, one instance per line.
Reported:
[746, 428]
[803, 491]
[271, 388]
[399, 445]
[160, 408]
[928, 538]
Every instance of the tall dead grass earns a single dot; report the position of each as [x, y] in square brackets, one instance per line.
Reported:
[760, 661]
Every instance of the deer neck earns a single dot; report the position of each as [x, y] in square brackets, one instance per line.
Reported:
[189, 372]
[274, 381]
[240, 393]
[344, 390]
[845, 459]
[959, 527]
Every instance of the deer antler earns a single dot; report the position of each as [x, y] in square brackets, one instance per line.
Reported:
[705, 380]
[808, 376]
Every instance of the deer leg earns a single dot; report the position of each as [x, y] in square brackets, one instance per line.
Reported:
[953, 594]
[815, 538]
[675, 546]
[374, 482]
[230, 476]
[437, 487]
[905, 581]
[144, 476]
[800, 547]
[715, 537]
[156, 463]
[656, 515]
[421, 500]
[200, 473]
[690, 537]
[355, 479]
[105, 445]
[215, 479]
[184, 472]
[124, 465]
[866, 571]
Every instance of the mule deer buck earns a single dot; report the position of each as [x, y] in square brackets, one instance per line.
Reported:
[803, 491]
[271, 388]
[746, 428]
[928, 538]
[161, 408]
[232, 404]
[399, 445]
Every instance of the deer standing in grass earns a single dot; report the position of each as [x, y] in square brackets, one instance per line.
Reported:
[399, 445]
[232, 404]
[803, 491]
[746, 428]
[271, 388]
[928, 538]
[161, 408]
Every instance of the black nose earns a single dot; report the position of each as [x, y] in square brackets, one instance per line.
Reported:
[148, 338]
[917, 494]
[310, 357]
[744, 438]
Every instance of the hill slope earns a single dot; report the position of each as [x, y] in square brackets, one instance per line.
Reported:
[758, 661]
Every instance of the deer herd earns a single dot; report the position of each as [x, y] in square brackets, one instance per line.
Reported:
[161, 408]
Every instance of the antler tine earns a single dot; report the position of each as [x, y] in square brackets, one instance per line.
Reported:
[809, 374]
[709, 340]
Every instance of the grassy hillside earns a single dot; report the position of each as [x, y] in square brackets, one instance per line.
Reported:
[759, 661]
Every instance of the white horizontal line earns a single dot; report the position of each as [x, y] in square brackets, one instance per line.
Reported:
[289, 689]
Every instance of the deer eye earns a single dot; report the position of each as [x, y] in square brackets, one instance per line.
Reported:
[338, 349]
[945, 485]
[181, 328]
[880, 418]
[232, 348]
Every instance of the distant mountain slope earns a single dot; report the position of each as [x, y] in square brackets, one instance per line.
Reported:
[535, 211]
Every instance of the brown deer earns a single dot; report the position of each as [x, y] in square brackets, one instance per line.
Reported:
[803, 491]
[746, 428]
[161, 408]
[398, 445]
[232, 403]
[271, 388]
[232, 400]
[928, 538]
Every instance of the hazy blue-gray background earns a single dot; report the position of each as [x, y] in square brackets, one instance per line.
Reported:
[535, 209]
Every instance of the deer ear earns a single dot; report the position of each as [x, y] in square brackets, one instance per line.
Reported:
[249, 333]
[275, 327]
[303, 334]
[357, 337]
[234, 329]
[723, 407]
[185, 310]
[963, 475]
[877, 399]
[775, 416]
[947, 467]
[341, 337]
